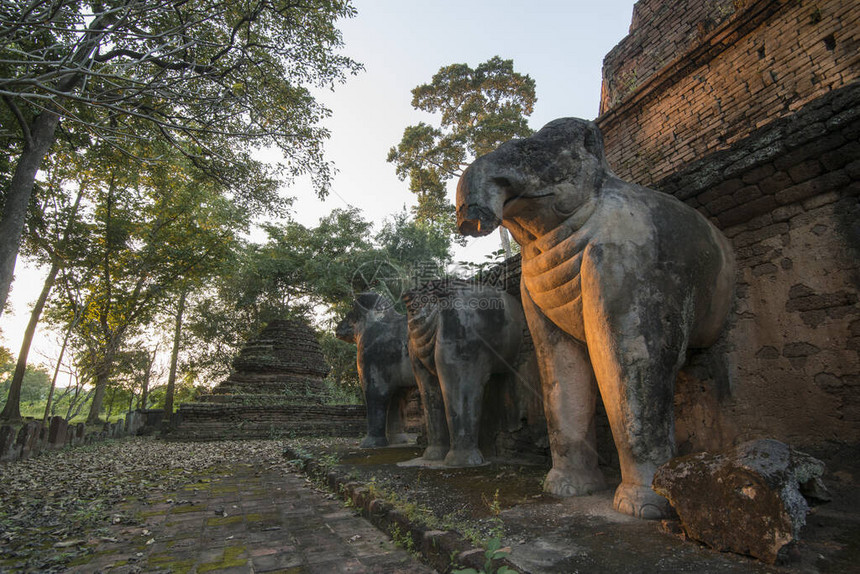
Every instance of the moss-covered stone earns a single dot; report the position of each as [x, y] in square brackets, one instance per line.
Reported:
[231, 559]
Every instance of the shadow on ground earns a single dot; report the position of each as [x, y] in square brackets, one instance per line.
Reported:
[550, 535]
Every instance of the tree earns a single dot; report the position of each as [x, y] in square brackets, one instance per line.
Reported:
[174, 354]
[52, 238]
[153, 228]
[302, 268]
[214, 77]
[35, 382]
[418, 250]
[300, 272]
[480, 109]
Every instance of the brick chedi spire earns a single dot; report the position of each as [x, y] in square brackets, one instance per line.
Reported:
[285, 359]
[277, 388]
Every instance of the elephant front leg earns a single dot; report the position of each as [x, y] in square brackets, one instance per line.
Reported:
[434, 412]
[463, 387]
[636, 370]
[396, 418]
[569, 395]
[376, 415]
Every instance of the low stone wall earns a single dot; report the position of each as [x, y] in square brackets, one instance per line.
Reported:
[19, 442]
[230, 421]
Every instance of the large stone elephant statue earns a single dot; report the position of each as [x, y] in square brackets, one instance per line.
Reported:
[459, 336]
[617, 282]
[384, 368]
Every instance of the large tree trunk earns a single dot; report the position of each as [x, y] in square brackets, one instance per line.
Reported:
[99, 395]
[102, 378]
[56, 373]
[174, 358]
[42, 136]
[144, 394]
[12, 410]
[506, 242]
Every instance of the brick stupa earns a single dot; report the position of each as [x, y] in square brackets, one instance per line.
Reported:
[284, 363]
[276, 389]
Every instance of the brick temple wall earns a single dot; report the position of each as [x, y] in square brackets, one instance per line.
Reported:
[756, 123]
[787, 197]
[696, 76]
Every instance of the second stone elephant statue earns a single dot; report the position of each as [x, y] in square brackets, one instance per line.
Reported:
[384, 368]
[460, 335]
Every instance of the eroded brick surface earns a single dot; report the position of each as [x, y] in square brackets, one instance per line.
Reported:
[247, 518]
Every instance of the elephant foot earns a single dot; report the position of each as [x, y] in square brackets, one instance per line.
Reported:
[573, 483]
[373, 442]
[641, 502]
[464, 457]
[398, 438]
[435, 452]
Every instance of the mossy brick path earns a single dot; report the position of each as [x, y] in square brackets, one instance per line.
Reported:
[244, 519]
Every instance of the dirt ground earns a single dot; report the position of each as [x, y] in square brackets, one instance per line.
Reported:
[552, 535]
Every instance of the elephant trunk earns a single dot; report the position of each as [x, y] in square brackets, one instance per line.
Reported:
[480, 202]
[345, 331]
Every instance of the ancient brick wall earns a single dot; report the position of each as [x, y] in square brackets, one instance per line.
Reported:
[659, 33]
[787, 197]
[697, 76]
[749, 111]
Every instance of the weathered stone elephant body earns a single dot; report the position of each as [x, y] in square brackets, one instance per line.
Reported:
[384, 368]
[459, 336]
[617, 282]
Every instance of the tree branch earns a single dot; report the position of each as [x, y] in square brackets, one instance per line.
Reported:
[19, 117]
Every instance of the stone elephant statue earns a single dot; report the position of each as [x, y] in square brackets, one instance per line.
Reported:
[617, 282]
[459, 336]
[384, 368]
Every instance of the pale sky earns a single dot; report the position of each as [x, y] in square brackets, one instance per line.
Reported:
[402, 43]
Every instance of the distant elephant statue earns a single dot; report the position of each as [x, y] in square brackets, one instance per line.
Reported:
[459, 336]
[617, 282]
[384, 368]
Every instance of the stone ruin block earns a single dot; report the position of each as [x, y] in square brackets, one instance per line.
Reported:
[133, 422]
[748, 499]
[29, 439]
[9, 448]
[80, 434]
[57, 432]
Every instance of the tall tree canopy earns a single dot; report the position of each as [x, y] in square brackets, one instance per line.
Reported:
[151, 229]
[479, 109]
[215, 78]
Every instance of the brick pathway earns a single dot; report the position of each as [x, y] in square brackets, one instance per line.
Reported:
[248, 519]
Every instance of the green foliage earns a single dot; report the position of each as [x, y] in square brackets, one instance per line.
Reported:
[184, 392]
[480, 109]
[493, 552]
[212, 76]
[37, 380]
[147, 231]
[301, 268]
[412, 243]
[341, 357]
[418, 251]
[300, 271]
